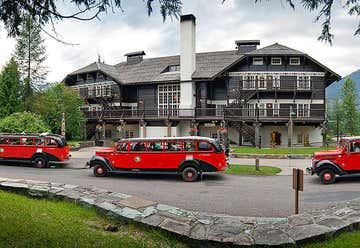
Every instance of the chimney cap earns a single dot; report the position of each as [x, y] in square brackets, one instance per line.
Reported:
[133, 54]
[247, 42]
[189, 17]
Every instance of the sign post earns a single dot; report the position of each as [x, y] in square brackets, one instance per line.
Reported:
[63, 124]
[298, 185]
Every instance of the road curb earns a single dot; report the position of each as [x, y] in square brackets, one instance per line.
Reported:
[199, 226]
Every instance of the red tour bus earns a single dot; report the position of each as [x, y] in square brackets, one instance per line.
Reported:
[186, 156]
[38, 149]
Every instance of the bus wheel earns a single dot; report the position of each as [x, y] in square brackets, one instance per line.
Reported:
[40, 162]
[100, 170]
[190, 174]
[327, 176]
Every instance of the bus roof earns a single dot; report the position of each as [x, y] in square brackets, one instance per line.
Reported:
[350, 138]
[32, 135]
[167, 138]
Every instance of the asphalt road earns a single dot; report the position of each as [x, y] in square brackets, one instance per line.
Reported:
[217, 193]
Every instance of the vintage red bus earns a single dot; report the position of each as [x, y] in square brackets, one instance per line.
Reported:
[186, 156]
[38, 149]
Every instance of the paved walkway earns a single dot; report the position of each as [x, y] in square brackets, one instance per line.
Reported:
[286, 165]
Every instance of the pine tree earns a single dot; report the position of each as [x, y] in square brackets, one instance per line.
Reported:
[30, 54]
[350, 114]
[10, 89]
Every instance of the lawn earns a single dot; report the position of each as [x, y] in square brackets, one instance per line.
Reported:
[346, 239]
[286, 151]
[250, 170]
[26, 222]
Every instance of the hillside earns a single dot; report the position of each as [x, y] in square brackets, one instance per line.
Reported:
[333, 91]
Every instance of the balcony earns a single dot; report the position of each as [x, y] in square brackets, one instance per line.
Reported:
[240, 114]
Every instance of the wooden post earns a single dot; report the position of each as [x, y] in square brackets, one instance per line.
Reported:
[257, 165]
[298, 185]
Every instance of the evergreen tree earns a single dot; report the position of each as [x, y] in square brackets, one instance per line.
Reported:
[349, 103]
[10, 89]
[30, 53]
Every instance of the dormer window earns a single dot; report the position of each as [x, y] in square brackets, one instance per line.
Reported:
[173, 68]
[258, 61]
[79, 77]
[100, 75]
[294, 61]
[89, 76]
[276, 61]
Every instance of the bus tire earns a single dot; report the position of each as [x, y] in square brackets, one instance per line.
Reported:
[190, 174]
[40, 162]
[100, 170]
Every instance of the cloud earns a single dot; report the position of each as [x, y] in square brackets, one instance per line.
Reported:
[218, 26]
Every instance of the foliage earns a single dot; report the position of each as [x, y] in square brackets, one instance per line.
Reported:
[335, 116]
[349, 102]
[53, 102]
[284, 151]
[30, 53]
[23, 122]
[29, 222]
[250, 170]
[10, 89]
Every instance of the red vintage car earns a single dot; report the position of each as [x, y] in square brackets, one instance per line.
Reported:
[38, 149]
[187, 156]
[344, 160]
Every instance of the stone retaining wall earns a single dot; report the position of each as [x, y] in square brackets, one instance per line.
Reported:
[232, 230]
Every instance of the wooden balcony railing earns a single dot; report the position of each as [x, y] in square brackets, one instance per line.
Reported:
[244, 114]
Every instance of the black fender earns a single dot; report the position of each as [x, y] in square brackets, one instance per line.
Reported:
[47, 156]
[327, 164]
[97, 159]
[189, 162]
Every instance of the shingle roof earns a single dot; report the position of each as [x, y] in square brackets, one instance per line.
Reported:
[208, 65]
[275, 49]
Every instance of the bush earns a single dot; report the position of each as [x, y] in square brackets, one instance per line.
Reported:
[23, 122]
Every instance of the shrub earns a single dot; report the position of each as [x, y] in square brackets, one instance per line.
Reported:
[23, 122]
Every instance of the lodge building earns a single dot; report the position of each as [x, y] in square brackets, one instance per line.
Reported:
[254, 96]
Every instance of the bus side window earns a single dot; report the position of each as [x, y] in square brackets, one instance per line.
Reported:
[204, 146]
[154, 146]
[39, 141]
[122, 147]
[27, 141]
[14, 141]
[189, 146]
[138, 147]
[173, 146]
[51, 143]
[4, 141]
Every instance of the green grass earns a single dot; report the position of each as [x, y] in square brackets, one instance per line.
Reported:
[346, 239]
[26, 222]
[285, 151]
[250, 170]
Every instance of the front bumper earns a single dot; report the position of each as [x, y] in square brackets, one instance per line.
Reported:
[310, 170]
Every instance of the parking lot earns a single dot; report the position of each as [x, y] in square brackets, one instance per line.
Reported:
[217, 193]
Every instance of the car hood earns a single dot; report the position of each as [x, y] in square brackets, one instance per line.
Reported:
[328, 153]
[105, 150]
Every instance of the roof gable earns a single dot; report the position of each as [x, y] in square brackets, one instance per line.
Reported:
[275, 49]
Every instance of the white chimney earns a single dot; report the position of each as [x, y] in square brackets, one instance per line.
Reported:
[187, 60]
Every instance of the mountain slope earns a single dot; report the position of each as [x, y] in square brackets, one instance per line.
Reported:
[333, 91]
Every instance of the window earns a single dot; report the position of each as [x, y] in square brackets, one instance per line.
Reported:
[276, 109]
[220, 109]
[91, 91]
[258, 61]
[303, 82]
[100, 75]
[300, 138]
[4, 141]
[276, 61]
[173, 146]
[262, 109]
[261, 82]
[27, 141]
[189, 146]
[129, 134]
[294, 61]
[137, 146]
[106, 90]
[98, 90]
[14, 141]
[204, 146]
[51, 142]
[122, 147]
[303, 110]
[155, 146]
[168, 99]
[249, 82]
[276, 81]
[249, 110]
[39, 141]
[173, 68]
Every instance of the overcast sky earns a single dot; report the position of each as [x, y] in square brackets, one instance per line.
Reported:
[218, 26]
